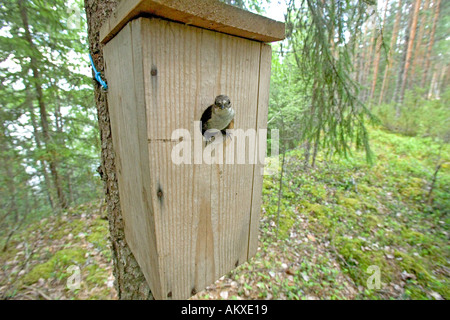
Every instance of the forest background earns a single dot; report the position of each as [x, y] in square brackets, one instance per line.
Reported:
[360, 94]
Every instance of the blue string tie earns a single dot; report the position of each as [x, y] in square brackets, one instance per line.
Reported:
[98, 75]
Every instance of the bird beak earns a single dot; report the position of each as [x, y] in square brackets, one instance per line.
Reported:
[222, 106]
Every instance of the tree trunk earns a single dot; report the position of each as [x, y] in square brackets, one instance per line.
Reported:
[37, 140]
[430, 45]
[130, 282]
[368, 62]
[69, 186]
[401, 64]
[441, 80]
[280, 190]
[376, 62]
[12, 191]
[418, 50]
[446, 79]
[412, 35]
[307, 148]
[42, 107]
[432, 85]
[361, 60]
[392, 48]
[7, 163]
[436, 81]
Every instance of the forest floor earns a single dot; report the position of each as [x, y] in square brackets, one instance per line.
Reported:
[340, 226]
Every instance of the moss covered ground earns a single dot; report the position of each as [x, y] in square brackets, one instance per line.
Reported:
[338, 224]
[43, 260]
[344, 220]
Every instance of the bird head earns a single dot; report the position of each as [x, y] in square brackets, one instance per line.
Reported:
[222, 102]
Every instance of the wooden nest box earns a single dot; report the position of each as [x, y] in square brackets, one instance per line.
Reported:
[165, 62]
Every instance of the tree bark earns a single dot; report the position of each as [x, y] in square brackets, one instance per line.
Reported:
[392, 48]
[37, 140]
[418, 50]
[368, 62]
[361, 60]
[430, 45]
[412, 35]
[436, 81]
[7, 163]
[432, 85]
[376, 62]
[130, 282]
[401, 63]
[441, 80]
[446, 79]
[69, 186]
[42, 107]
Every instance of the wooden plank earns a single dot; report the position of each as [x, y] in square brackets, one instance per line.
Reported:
[171, 92]
[208, 14]
[186, 224]
[124, 71]
[231, 195]
[204, 215]
[263, 107]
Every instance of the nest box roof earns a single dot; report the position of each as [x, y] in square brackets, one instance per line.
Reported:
[207, 14]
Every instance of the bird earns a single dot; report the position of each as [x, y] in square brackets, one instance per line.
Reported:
[218, 117]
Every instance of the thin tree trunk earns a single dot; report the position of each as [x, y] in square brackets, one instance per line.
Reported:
[376, 62]
[418, 51]
[9, 181]
[430, 45]
[37, 140]
[315, 150]
[69, 185]
[362, 58]
[445, 81]
[42, 107]
[401, 64]
[60, 141]
[392, 48]
[432, 88]
[58, 118]
[409, 50]
[280, 191]
[12, 192]
[368, 59]
[307, 148]
[440, 81]
[130, 282]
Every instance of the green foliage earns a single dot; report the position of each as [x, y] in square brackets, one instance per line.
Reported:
[418, 116]
[313, 98]
[54, 56]
[331, 223]
[371, 215]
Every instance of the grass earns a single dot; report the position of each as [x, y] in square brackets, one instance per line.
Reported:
[337, 223]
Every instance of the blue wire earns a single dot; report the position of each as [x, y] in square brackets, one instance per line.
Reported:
[98, 75]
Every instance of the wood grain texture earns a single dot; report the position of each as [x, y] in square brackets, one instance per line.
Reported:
[208, 14]
[187, 224]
